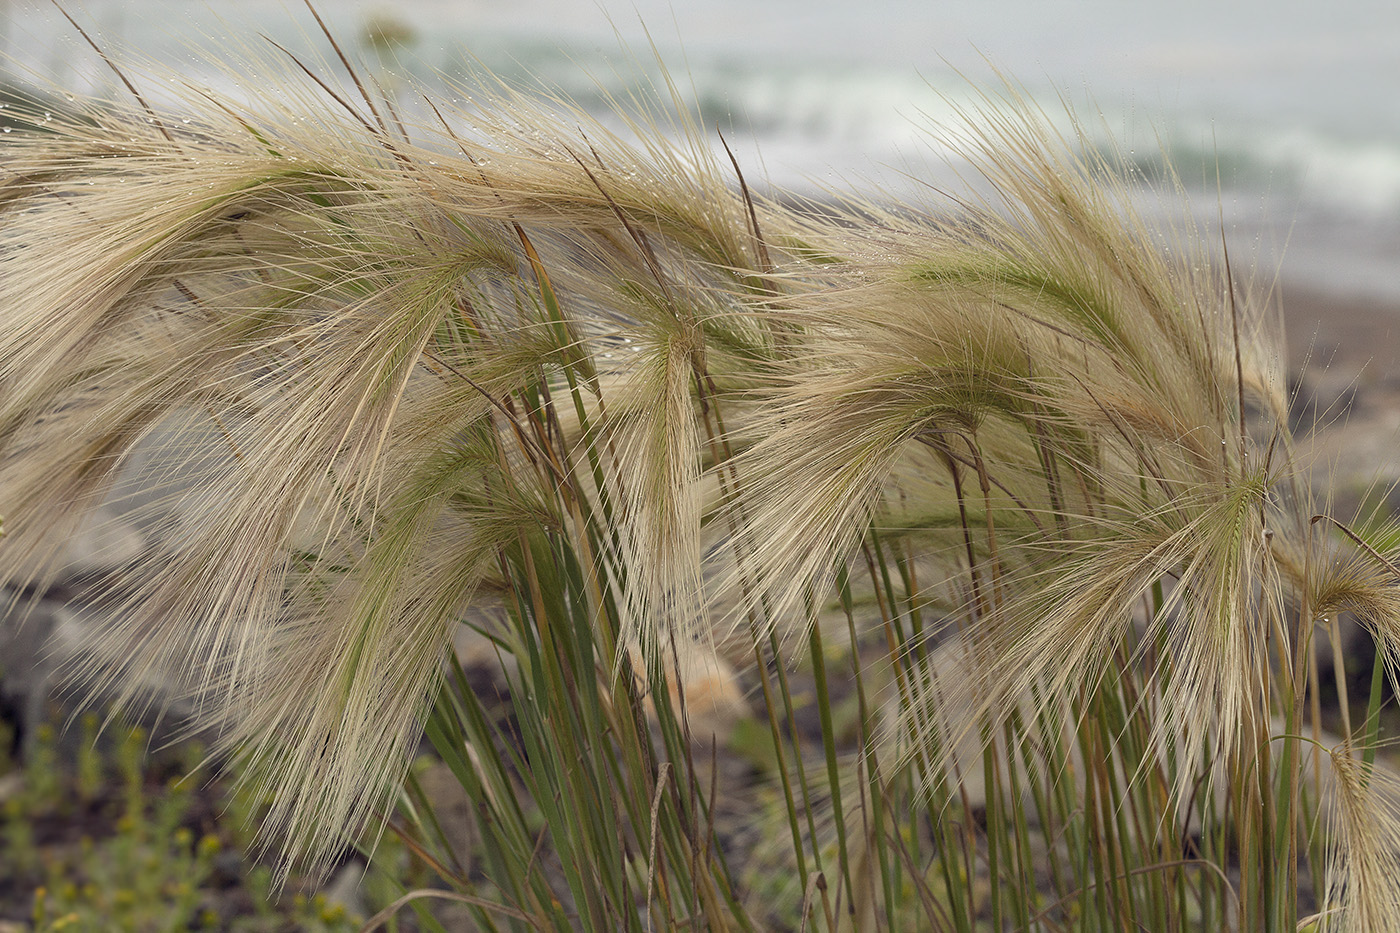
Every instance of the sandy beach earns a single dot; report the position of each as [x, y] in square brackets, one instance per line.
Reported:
[1340, 331]
[1343, 358]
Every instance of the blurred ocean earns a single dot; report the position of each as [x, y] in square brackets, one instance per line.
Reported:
[1295, 102]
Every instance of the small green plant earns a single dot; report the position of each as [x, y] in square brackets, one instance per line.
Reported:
[101, 843]
[997, 507]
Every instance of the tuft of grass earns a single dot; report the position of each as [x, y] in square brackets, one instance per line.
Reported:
[1004, 483]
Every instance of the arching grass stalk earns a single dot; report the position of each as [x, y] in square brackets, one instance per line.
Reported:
[593, 404]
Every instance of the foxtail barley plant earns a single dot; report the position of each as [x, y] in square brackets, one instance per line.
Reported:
[1003, 491]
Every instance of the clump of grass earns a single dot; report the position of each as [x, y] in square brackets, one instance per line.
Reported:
[1015, 472]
